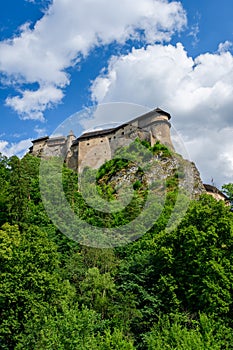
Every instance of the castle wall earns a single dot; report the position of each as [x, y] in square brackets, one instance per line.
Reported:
[72, 159]
[68, 156]
[93, 152]
[160, 131]
[38, 146]
[59, 146]
[55, 147]
[149, 119]
[123, 137]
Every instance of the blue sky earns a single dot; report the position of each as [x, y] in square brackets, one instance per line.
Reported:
[56, 57]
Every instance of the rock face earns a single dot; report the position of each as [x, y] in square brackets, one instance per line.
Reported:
[162, 173]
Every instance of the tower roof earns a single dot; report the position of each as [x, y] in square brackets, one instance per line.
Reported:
[71, 133]
[160, 111]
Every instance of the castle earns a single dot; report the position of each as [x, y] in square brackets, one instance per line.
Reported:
[94, 148]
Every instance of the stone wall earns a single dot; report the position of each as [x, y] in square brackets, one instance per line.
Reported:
[58, 146]
[93, 152]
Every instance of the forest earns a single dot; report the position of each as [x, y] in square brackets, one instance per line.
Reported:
[165, 290]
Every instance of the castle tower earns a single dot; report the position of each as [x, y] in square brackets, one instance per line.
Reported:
[160, 129]
[69, 140]
[68, 153]
[156, 122]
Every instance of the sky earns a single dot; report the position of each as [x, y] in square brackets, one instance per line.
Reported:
[58, 57]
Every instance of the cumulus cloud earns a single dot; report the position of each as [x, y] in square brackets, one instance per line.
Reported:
[212, 151]
[197, 92]
[109, 115]
[19, 148]
[69, 30]
[32, 103]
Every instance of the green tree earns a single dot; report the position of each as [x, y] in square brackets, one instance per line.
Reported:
[4, 189]
[19, 194]
[73, 328]
[176, 334]
[189, 269]
[30, 283]
[228, 190]
[97, 290]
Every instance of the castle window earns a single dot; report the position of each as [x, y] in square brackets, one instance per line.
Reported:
[101, 141]
[109, 138]
[122, 133]
[88, 143]
[114, 137]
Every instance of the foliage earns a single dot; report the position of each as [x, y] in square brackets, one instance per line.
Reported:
[175, 334]
[170, 289]
[228, 190]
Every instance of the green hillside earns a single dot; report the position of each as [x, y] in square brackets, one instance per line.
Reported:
[168, 289]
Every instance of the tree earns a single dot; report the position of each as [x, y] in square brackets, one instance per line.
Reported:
[74, 328]
[179, 333]
[97, 290]
[30, 282]
[4, 188]
[188, 270]
[228, 190]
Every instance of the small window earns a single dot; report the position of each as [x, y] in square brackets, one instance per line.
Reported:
[88, 143]
[122, 133]
[101, 140]
[114, 137]
[109, 138]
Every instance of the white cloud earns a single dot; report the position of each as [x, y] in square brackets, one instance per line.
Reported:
[40, 131]
[18, 149]
[32, 103]
[194, 34]
[226, 46]
[70, 29]
[109, 115]
[197, 92]
[212, 150]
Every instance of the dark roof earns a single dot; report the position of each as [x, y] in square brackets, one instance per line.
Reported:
[97, 133]
[161, 111]
[213, 189]
[40, 139]
[148, 114]
[55, 138]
